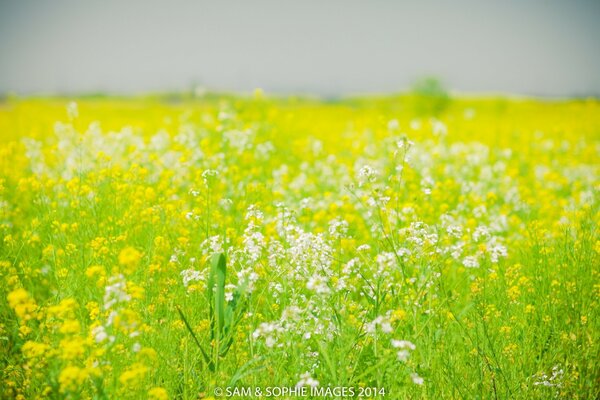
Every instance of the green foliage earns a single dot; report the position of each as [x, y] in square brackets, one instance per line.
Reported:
[431, 97]
[223, 318]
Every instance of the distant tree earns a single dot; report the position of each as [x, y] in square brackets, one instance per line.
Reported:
[431, 96]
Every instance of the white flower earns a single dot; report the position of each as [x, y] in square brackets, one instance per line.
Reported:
[212, 245]
[254, 213]
[471, 262]
[427, 184]
[72, 110]
[497, 251]
[363, 247]
[338, 228]
[246, 279]
[454, 231]
[229, 292]
[417, 380]
[99, 334]
[554, 380]
[403, 355]
[115, 292]
[190, 275]
[253, 244]
[366, 174]
[403, 344]
[318, 284]
[208, 175]
[383, 322]
[307, 380]
[481, 232]
[269, 331]
[438, 128]
[415, 124]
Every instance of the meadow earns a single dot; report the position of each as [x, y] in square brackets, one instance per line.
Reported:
[185, 247]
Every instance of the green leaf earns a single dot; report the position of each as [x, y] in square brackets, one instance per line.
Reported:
[207, 359]
[219, 271]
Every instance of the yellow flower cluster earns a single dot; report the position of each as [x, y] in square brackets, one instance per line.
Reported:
[22, 303]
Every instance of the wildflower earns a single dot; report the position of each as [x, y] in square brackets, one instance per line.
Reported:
[72, 348]
[133, 376]
[403, 344]
[269, 331]
[471, 262]
[115, 292]
[158, 393]
[71, 378]
[383, 322]
[99, 334]
[554, 379]
[209, 176]
[307, 380]
[497, 251]
[318, 284]
[190, 275]
[229, 288]
[129, 257]
[366, 174]
[20, 301]
[70, 326]
[33, 349]
[212, 245]
[338, 228]
[417, 380]
[72, 110]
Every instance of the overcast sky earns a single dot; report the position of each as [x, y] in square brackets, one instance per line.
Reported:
[539, 47]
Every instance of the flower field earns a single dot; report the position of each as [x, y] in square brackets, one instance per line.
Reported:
[175, 247]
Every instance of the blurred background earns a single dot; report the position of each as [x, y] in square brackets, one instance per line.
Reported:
[328, 48]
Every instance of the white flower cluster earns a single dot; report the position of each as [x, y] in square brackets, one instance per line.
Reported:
[115, 292]
[190, 275]
[382, 323]
[115, 297]
[268, 331]
[307, 380]
[554, 379]
[404, 348]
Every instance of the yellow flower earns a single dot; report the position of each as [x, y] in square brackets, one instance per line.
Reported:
[513, 293]
[24, 330]
[70, 326]
[134, 375]
[529, 309]
[94, 270]
[158, 393]
[72, 348]
[148, 355]
[93, 310]
[129, 258]
[398, 315]
[20, 301]
[71, 378]
[33, 349]
[65, 309]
